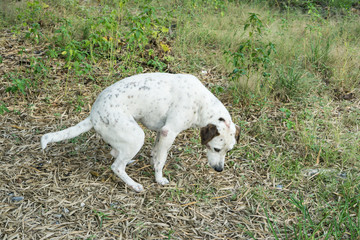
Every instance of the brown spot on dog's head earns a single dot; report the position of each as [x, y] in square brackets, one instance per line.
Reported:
[207, 133]
[237, 133]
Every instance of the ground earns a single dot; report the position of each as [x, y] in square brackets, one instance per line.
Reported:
[293, 175]
[69, 190]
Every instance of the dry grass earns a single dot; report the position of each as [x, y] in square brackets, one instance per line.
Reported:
[70, 192]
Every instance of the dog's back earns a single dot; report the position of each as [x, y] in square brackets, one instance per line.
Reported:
[147, 98]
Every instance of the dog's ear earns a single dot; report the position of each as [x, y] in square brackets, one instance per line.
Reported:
[207, 133]
[237, 133]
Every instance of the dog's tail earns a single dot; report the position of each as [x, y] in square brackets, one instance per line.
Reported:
[68, 133]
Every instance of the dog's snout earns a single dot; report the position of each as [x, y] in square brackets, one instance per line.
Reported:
[218, 168]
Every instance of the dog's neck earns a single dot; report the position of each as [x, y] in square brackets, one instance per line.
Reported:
[212, 112]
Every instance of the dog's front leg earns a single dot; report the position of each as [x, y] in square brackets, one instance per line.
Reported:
[166, 138]
[153, 151]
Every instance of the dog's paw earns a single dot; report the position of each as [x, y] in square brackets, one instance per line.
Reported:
[162, 181]
[137, 187]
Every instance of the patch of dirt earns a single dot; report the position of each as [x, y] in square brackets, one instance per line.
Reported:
[69, 190]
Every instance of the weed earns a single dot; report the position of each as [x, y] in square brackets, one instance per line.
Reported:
[315, 70]
[339, 227]
[80, 104]
[144, 35]
[175, 194]
[100, 216]
[318, 57]
[170, 233]
[289, 124]
[34, 33]
[33, 12]
[252, 56]
[203, 194]
[306, 225]
[217, 89]
[52, 52]
[233, 197]
[212, 5]
[3, 108]
[63, 35]
[144, 27]
[103, 36]
[73, 54]
[247, 232]
[313, 11]
[157, 64]
[273, 226]
[18, 84]
[38, 66]
[287, 85]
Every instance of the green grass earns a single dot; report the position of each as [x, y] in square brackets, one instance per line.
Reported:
[332, 220]
[290, 72]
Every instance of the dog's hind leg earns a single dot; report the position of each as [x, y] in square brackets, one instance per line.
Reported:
[119, 169]
[115, 154]
[126, 138]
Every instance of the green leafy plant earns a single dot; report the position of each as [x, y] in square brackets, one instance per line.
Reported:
[101, 217]
[73, 53]
[80, 104]
[170, 233]
[38, 66]
[145, 30]
[252, 56]
[103, 37]
[63, 35]
[313, 11]
[32, 12]
[3, 108]
[143, 26]
[18, 85]
[217, 89]
[34, 33]
[157, 64]
[289, 124]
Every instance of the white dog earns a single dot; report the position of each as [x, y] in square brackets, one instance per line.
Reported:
[166, 103]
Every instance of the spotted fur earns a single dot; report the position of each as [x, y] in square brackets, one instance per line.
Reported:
[165, 103]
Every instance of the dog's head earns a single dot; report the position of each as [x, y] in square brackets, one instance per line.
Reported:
[219, 138]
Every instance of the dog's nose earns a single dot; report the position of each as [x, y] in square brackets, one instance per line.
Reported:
[218, 168]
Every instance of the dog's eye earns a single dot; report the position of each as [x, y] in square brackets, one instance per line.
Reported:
[216, 150]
